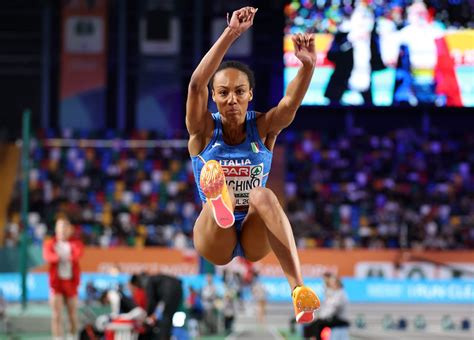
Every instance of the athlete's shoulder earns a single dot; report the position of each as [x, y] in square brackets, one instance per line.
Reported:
[258, 115]
[263, 118]
[49, 241]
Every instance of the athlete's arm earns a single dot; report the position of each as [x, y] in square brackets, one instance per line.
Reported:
[49, 253]
[282, 115]
[197, 114]
[136, 314]
[77, 249]
[114, 300]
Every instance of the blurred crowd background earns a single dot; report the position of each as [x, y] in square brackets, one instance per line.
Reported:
[401, 189]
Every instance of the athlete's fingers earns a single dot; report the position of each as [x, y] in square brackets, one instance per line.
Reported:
[300, 39]
[247, 13]
[252, 14]
[311, 41]
[296, 43]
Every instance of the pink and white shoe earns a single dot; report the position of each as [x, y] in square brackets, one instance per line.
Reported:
[212, 182]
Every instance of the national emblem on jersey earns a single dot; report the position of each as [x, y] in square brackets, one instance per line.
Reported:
[255, 147]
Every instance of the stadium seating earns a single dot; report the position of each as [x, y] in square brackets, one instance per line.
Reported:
[400, 189]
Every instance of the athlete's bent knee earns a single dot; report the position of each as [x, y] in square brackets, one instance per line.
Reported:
[214, 257]
[221, 261]
[217, 260]
[255, 257]
[262, 199]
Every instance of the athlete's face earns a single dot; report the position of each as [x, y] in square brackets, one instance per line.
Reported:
[232, 93]
[63, 229]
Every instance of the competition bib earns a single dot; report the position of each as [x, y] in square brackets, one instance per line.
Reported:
[242, 177]
[65, 270]
[63, 249]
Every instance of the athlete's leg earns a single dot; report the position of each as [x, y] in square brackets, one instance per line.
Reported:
[275, 231]
[212, 242]
[254, 238]
[71, 305]
[56, 302]
[264, 207]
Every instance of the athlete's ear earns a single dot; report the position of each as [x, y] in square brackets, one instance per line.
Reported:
[251, 95]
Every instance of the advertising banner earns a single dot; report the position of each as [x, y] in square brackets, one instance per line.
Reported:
[277, 289]
[361, 263]
[83, 71]
[159, 97]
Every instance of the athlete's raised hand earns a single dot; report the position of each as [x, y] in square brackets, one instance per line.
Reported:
[304, 48]
[242, 19]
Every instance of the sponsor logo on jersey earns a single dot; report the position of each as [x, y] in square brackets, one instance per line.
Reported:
[242, 177]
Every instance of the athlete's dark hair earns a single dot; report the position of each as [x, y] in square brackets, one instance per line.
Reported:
[237, 65]
[136, 281]
[103, 297]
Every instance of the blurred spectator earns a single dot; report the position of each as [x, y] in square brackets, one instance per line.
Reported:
[327, 284]
[209, 297]
[122, 306]
[194, 304]
[3, 313]
[195, 312]
[92, 294]
[229, 309]
[138, 291]
[62, 253]
[333, 311]
[260, 297]
[165, 293]
[233, 281]
[124, 312]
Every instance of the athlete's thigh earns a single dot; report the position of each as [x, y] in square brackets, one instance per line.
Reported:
[254, 239]
[56, 302]
[71, 304]
[212, 242]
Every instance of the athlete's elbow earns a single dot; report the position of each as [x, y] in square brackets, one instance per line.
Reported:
[290, 107]
[193, 127]
[196, 84]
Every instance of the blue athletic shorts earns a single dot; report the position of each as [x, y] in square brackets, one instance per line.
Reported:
[239, 219]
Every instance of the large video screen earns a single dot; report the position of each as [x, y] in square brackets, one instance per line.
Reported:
[385, 52]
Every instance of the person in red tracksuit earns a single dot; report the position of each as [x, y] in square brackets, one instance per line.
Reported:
[63, 253]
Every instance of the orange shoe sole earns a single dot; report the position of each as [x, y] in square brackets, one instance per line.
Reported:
[212, 182]
[306, 302]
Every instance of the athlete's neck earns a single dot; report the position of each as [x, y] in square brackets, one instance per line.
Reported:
[233, 134]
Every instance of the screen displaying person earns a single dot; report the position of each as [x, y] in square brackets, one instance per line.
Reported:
[355, 52]
[425, 69]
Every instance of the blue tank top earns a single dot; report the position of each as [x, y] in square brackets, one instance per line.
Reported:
[246, 166]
